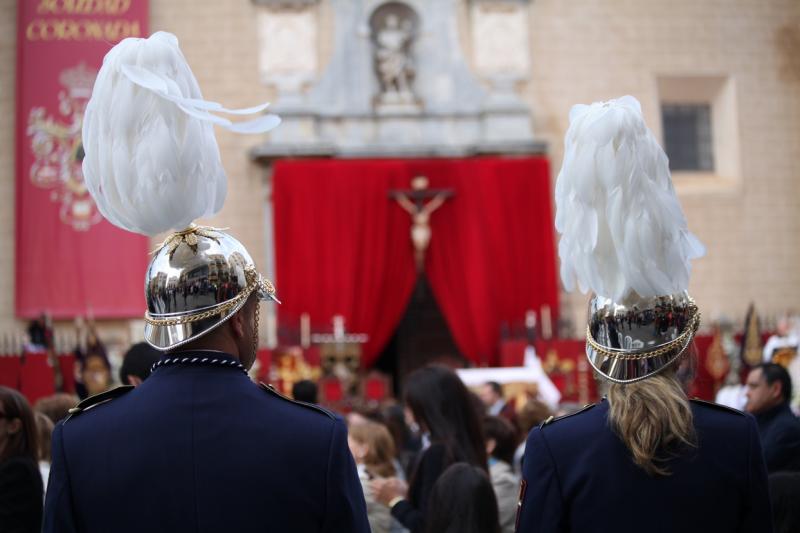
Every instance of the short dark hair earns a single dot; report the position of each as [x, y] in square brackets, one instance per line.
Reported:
[774, 372]
[496, 387]
[305, 391]
[504, 435]
[138, 361]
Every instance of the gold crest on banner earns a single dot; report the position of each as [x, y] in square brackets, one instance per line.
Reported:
[58, 150]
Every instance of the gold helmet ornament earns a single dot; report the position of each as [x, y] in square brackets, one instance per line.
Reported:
[152, 165]
[624, 237]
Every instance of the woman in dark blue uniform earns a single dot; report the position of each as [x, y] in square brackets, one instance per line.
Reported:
[645, 458]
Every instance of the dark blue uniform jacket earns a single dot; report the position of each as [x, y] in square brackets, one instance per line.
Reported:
[203, 449]
[578, 476]
[780, 438]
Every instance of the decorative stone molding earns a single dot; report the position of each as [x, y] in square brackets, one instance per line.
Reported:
[428, 102]
[500, 39]
[282, 63]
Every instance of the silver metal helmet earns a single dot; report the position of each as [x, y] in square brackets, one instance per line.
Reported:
[627, 343]
[198, 279]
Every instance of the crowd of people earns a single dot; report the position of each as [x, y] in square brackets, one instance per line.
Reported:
[25, 442]
[446, 459]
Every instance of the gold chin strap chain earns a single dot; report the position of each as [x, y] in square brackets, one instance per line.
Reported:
[255, 330]
[677, 342]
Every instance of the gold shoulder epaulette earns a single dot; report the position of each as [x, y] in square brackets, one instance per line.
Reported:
[272, 390]
[718, 406]
[552, 419]
[97, 399]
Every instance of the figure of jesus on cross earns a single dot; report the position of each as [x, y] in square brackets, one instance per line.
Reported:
[414, 202]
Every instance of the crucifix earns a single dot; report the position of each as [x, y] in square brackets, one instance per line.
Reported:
[420, 202]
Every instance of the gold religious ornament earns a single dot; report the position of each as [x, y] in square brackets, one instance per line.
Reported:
[551, 361]
[58, 149]
[752, 350]
[717, 362]
[292, 367]
[556, 366]
[414, 203]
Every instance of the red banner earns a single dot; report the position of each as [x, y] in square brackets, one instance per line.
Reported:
[69, 260]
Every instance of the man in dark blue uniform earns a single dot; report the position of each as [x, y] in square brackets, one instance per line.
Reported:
[198, 447]
[769, 390]
[646, 458]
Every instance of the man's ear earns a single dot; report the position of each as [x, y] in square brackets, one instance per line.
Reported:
[237, 323]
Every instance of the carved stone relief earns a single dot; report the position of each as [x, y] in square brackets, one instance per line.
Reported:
[288, 51]
[500, 39]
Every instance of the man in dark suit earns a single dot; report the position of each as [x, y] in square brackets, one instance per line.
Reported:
[491, 394]
[769, 389]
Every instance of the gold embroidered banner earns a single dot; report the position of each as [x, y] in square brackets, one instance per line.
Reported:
[69, 260]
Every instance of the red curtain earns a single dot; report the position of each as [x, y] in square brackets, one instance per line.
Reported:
[343, 246]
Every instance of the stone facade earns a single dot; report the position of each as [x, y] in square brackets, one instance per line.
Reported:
[579, 51]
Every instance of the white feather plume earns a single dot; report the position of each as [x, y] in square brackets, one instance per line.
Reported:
[151, 159]
[623, 232]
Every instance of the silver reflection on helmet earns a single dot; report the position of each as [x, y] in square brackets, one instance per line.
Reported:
[198, 279]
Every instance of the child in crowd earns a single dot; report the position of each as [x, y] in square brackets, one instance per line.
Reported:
[372, 447]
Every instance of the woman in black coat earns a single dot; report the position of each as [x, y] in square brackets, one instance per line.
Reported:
[21, 488]
[440, 404]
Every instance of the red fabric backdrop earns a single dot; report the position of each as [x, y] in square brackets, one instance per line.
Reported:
[68, 260]
[343, 246]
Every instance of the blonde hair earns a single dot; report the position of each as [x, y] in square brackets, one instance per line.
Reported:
[380, 447]
[653, 418]
[45, 428]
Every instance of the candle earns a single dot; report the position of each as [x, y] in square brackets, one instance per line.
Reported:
[305, 330]
[530, 319]
[547, 325]
[338, 327]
